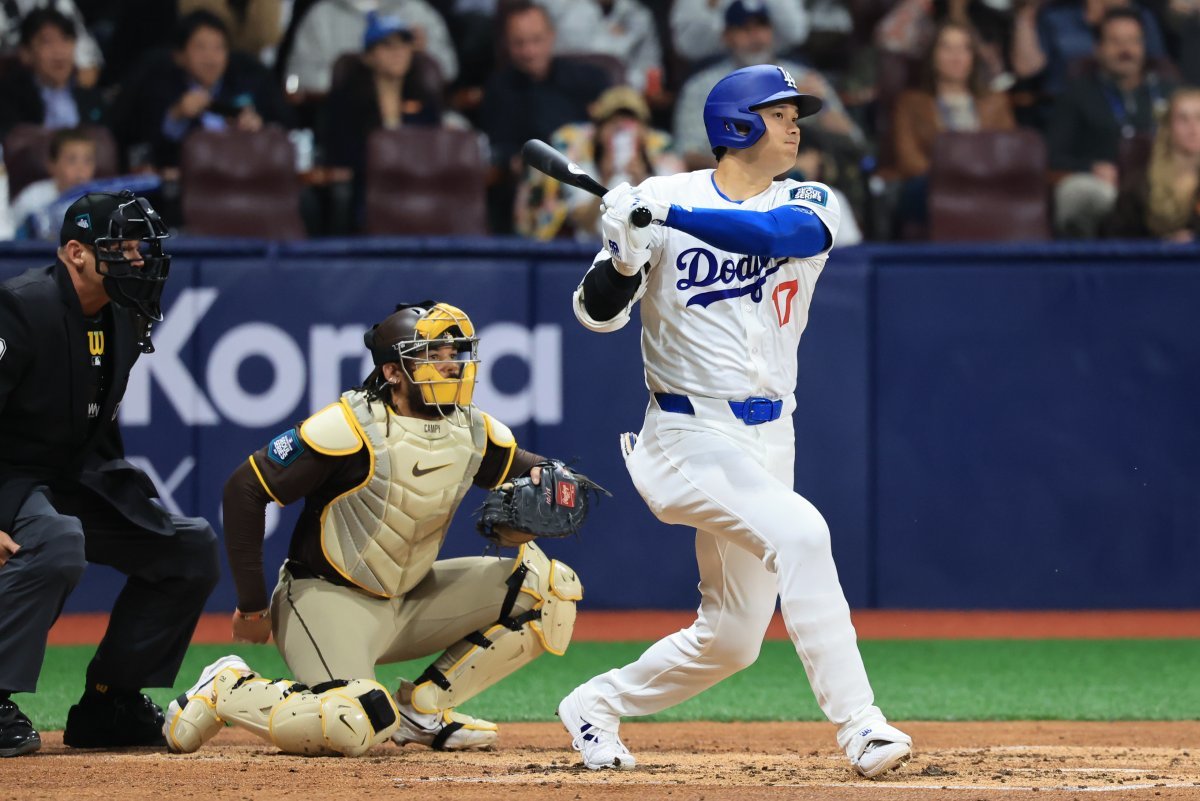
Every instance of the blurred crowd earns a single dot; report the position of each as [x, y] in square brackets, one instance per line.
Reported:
[942, 119]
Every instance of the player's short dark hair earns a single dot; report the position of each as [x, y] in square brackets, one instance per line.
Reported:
[1114, 14]
[64, 136]
[186, 28]
[41, 17]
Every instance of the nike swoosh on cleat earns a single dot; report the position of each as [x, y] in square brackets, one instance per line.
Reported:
[419, 471]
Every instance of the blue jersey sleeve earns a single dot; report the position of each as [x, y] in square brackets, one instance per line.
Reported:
[784, 231]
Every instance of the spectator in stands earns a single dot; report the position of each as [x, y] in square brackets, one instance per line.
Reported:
[1049, 37]
[536, 93]
[910, 28]
[382, 90]
[72, 162]
[253, 25]
[617, 145]
[1118, 100]
[813, 165]
[88, 59]
[1165, 201]
[621, 28]
[953, 97]
[698, 27]
[1183, 25]
[43, 89]
[333, 27]
[204, 88]
[750, 39]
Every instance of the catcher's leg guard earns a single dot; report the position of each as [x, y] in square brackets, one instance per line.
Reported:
[333, 718]
[191, 719]
[538, 614]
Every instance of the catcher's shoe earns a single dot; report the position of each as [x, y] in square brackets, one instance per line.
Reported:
[878, 748]
[17, 735]
[446, 730]
[600, 748]
[191, 719]
[113, 719]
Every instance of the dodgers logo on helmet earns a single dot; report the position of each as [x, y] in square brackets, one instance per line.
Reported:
[729, 117]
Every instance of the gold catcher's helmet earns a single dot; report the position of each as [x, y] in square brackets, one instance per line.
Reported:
[414, 335]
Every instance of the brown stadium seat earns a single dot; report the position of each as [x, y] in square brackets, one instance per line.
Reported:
[425, 181]
[237, 183]
[27, 148]
[989, 186]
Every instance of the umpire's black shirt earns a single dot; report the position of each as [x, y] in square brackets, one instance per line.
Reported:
[62, 378]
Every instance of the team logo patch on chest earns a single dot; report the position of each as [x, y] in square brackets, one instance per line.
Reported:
[701, 268]
[810, 194]
[286, 448]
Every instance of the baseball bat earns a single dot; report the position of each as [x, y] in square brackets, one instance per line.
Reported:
[547, 160]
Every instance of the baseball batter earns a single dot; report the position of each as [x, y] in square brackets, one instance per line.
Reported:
[381, 473]
[725, 276]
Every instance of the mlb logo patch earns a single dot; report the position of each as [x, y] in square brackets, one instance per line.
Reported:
[84, 221]
[810, 194]
[614, 249]
[566, 494]
[284, 449]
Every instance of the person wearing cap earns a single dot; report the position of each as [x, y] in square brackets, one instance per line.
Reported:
[617, 145]
[70, 334]
[384, 89]
[697, 26]
[750, 38]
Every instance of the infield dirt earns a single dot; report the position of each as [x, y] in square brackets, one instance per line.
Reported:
[679, 762]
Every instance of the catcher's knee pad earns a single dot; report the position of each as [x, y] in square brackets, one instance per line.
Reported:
[246, 700]
[337, 717]
[538, 615]
[191, 722]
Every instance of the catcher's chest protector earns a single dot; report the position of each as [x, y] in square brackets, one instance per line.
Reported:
[385, 534]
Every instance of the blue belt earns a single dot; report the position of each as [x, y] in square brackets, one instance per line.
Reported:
[751, 411]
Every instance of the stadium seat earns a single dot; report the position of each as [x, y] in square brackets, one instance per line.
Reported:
[989, 186]
[27, 149]
[237, 183]
[425, 181]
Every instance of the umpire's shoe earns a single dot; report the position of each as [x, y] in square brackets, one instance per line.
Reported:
[114, 719]
[17, 735]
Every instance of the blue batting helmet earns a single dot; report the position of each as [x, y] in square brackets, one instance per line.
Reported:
[732, 101]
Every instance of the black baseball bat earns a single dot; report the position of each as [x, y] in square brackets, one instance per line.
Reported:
[545, 159]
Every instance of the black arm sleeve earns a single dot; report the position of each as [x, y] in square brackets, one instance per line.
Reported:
[606, 291]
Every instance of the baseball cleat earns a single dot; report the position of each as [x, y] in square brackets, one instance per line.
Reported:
[446, 730]
[600, 748]
[878, 748]
[191, 719]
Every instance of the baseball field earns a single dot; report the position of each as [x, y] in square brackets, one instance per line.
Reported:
[1001, 706]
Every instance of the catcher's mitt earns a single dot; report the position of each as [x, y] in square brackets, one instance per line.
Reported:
[519, 510]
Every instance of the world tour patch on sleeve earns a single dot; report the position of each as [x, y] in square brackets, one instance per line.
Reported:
[284, 449]
[811, 194]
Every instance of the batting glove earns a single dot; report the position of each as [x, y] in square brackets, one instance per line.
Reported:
[629, 246]
[623, 199]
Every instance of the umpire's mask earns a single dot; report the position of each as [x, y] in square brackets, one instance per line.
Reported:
[107, 221]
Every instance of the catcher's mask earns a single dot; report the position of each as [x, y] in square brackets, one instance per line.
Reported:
[107, 221]
[422, 336]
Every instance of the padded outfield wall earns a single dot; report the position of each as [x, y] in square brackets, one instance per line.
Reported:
[988, 427]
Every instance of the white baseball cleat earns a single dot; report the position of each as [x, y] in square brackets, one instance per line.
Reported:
[191, 719]
[447, 730]
[600, 748]
[878, 748]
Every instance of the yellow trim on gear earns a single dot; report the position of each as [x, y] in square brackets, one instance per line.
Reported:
[263, 481]
[511, 445]
[554, 572]
[325, 512]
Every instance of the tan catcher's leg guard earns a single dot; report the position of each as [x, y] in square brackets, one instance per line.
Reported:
[538, 614]
[337, 717]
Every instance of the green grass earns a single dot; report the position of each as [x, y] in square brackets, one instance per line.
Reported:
[913, 680]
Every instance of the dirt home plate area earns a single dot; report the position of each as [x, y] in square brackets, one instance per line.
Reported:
[680, 762]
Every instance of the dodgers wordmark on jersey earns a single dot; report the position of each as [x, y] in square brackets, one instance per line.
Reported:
[718, 324]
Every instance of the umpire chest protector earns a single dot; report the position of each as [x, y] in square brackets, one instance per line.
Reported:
[384, 534]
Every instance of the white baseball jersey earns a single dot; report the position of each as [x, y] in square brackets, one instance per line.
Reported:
[719, 324]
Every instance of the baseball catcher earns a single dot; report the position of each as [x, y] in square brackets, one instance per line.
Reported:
[381, 474]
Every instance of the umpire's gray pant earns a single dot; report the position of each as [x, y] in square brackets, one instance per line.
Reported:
[170, 578]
